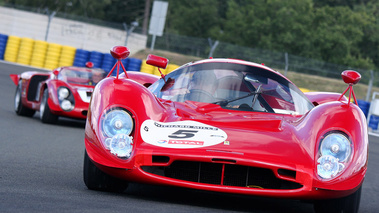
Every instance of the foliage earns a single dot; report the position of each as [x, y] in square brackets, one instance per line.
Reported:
[345, 32]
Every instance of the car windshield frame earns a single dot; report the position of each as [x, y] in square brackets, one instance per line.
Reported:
[236, 86]
[75, 75]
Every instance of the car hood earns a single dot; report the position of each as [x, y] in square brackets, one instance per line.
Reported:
[260, 137]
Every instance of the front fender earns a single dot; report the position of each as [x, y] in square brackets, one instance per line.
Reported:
[127, 94]
[145, 79]
[349, 119]
[52, 87]
[318, 98]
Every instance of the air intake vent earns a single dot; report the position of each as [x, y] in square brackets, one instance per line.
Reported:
[160, 159]
[222, 174]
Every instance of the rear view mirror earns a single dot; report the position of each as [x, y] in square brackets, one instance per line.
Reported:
[55, 72]
[351, 76]
[119, 52]
[89, 64]
[157, 61]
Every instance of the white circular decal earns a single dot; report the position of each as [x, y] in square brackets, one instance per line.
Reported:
[181, 134]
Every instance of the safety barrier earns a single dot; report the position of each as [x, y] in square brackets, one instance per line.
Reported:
[3, 44]
[67, 56]
[146, 68]
[39, 54]
[46, 55]
[96, 58]
[52, 56]
[108, 62]
[81, 57]
[11, 50]
[25, 51]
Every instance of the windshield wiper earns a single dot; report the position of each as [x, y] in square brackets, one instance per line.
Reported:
[225, 102]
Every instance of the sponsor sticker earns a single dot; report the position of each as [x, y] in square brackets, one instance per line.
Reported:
[181, 134]
[186, 142]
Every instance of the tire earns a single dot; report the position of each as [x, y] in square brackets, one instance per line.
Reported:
[18, 107]
[349, 204]
[95, 179]
[44, 110]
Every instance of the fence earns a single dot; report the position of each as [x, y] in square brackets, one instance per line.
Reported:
[201, 47]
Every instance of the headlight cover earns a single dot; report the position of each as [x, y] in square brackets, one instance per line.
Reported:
[63, 93]
[66, 99]
[334, 153]
[116, 125]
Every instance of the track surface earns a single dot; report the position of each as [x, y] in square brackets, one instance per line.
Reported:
[41, 171]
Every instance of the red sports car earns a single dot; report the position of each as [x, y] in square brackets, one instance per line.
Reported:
[230, 126]
[66, 91]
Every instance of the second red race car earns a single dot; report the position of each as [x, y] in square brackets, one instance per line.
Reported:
[66, 91]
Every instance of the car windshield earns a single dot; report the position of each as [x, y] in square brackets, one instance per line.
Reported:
[233, 86]
[81, 76]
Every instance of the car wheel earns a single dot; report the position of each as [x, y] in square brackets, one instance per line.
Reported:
[349, 204]
[44, 111]
[95, 179]
[18, 107]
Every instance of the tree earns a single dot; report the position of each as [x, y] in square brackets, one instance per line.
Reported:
[276, 25]
[197, 18]
[338, 32]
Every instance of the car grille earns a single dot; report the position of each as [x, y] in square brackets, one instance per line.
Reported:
[222, 174]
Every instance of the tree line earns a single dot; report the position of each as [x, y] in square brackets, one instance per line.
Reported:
[344, 32]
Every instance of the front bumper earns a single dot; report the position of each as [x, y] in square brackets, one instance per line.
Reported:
[217, 172]
[79, 112]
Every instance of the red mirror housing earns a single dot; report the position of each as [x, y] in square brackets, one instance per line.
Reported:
[89, 64]
[351, 76]
[56, 72]
[157, 61]
[120, 52]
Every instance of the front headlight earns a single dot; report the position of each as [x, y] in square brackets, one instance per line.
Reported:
[63, 93]
[334, 153]
[336, 145]
[66, 99]
[116, 127]
[117, 122]
[66, 105]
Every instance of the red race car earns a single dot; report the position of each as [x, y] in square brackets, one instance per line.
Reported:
[230, 126]
[66, 91]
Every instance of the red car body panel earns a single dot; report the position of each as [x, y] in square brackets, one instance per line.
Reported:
[284, 144]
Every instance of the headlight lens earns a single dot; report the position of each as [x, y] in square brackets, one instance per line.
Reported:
[117, 122]
[63, 93]
[66, 105]
[334, 153]
[66, 99]
[116, 127]
[121, 145]
[328, 166]
[336, 145]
